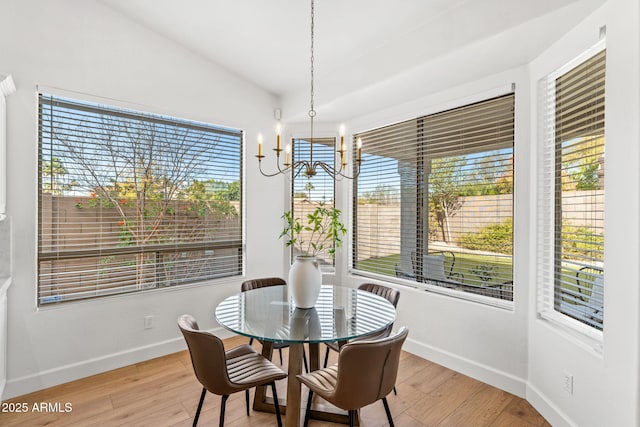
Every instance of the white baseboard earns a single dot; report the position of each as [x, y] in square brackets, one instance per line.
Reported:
[502, 380]
[52, 377]
[547, 409]
[486, 374]
[471, 368]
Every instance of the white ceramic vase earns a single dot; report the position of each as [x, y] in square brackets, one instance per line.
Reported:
[305, 279]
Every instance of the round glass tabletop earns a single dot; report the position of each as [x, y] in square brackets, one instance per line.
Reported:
[340, 314]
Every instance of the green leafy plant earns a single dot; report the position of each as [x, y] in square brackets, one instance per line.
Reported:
[321, 230]
[497, 238]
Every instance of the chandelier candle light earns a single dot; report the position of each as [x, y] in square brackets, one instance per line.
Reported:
[309, 166]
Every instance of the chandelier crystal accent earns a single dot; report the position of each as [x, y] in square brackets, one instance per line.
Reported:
[309, 167]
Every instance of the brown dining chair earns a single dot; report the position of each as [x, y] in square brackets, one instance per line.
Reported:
[386, 292]
[365, 373]
[251, 284]
[225, 372]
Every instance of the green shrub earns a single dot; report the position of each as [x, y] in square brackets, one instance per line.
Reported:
[497, 238]
[581, 243]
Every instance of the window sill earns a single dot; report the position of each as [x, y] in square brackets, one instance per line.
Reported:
[582, 335]
[105, 299]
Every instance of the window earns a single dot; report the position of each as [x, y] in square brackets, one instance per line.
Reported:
[434, 200]
[130, 201]
[571, 195]
[308, 192]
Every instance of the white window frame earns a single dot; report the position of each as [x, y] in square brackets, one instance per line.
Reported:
[545, 227]
[7, 87]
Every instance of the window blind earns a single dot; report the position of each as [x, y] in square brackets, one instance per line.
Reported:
[308, 192]
[571, 215]
[130, 201]
[434, 200]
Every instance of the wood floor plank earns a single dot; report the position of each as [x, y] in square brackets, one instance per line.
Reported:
[164, 392]
[407, 397]
[444, 400]
[405, 420]
[523, 410]
[430, 377]
[163, 386]
[88, 409]
[410, 366]
[480, 410]
[79, 411]
[506, 419]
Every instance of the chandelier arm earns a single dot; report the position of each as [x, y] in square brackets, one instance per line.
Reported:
[356, 170]
[339, 170]
[269, 175]
[299, 166]
[280, 171]
[333, 172]
[286, 168]
[356, 173]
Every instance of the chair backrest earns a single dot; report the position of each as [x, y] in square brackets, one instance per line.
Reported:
[588, 279]
[367, 370]
[207, 356]
[433, 267]
[390, 294]
[261, 283]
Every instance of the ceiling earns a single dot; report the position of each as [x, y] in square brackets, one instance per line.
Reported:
[358, 43]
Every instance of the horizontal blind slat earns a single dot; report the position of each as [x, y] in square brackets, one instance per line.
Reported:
[571, 198]
[131, 201]
[400, 178]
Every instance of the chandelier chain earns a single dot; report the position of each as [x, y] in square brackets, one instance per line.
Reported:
[309, 167]
[312, 111]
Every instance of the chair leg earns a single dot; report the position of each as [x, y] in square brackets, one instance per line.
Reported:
[307, 412]
[352, 418]
[326, 357]
[304, 359]
[276, 404]
[386, 409]
[395, 391]
[251, 341]
[280, 351]
[223, 406]
[202, 395]
[246, 399]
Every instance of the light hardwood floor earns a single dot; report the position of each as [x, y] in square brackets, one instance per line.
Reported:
[164, 392]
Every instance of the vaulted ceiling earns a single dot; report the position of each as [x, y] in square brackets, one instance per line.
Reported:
[358, 43]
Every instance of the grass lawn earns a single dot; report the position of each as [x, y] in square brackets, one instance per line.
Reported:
[468, 268]
[477, 270]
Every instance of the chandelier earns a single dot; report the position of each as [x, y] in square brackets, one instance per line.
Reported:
[309, 167]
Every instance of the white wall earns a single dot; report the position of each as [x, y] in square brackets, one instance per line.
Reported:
[91, 51]
[513, 349]
[605, 381]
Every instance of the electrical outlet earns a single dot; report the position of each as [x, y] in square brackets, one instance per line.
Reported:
[148, 322]
[567, 382]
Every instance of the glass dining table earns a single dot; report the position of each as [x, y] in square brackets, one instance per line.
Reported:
[268, 314]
